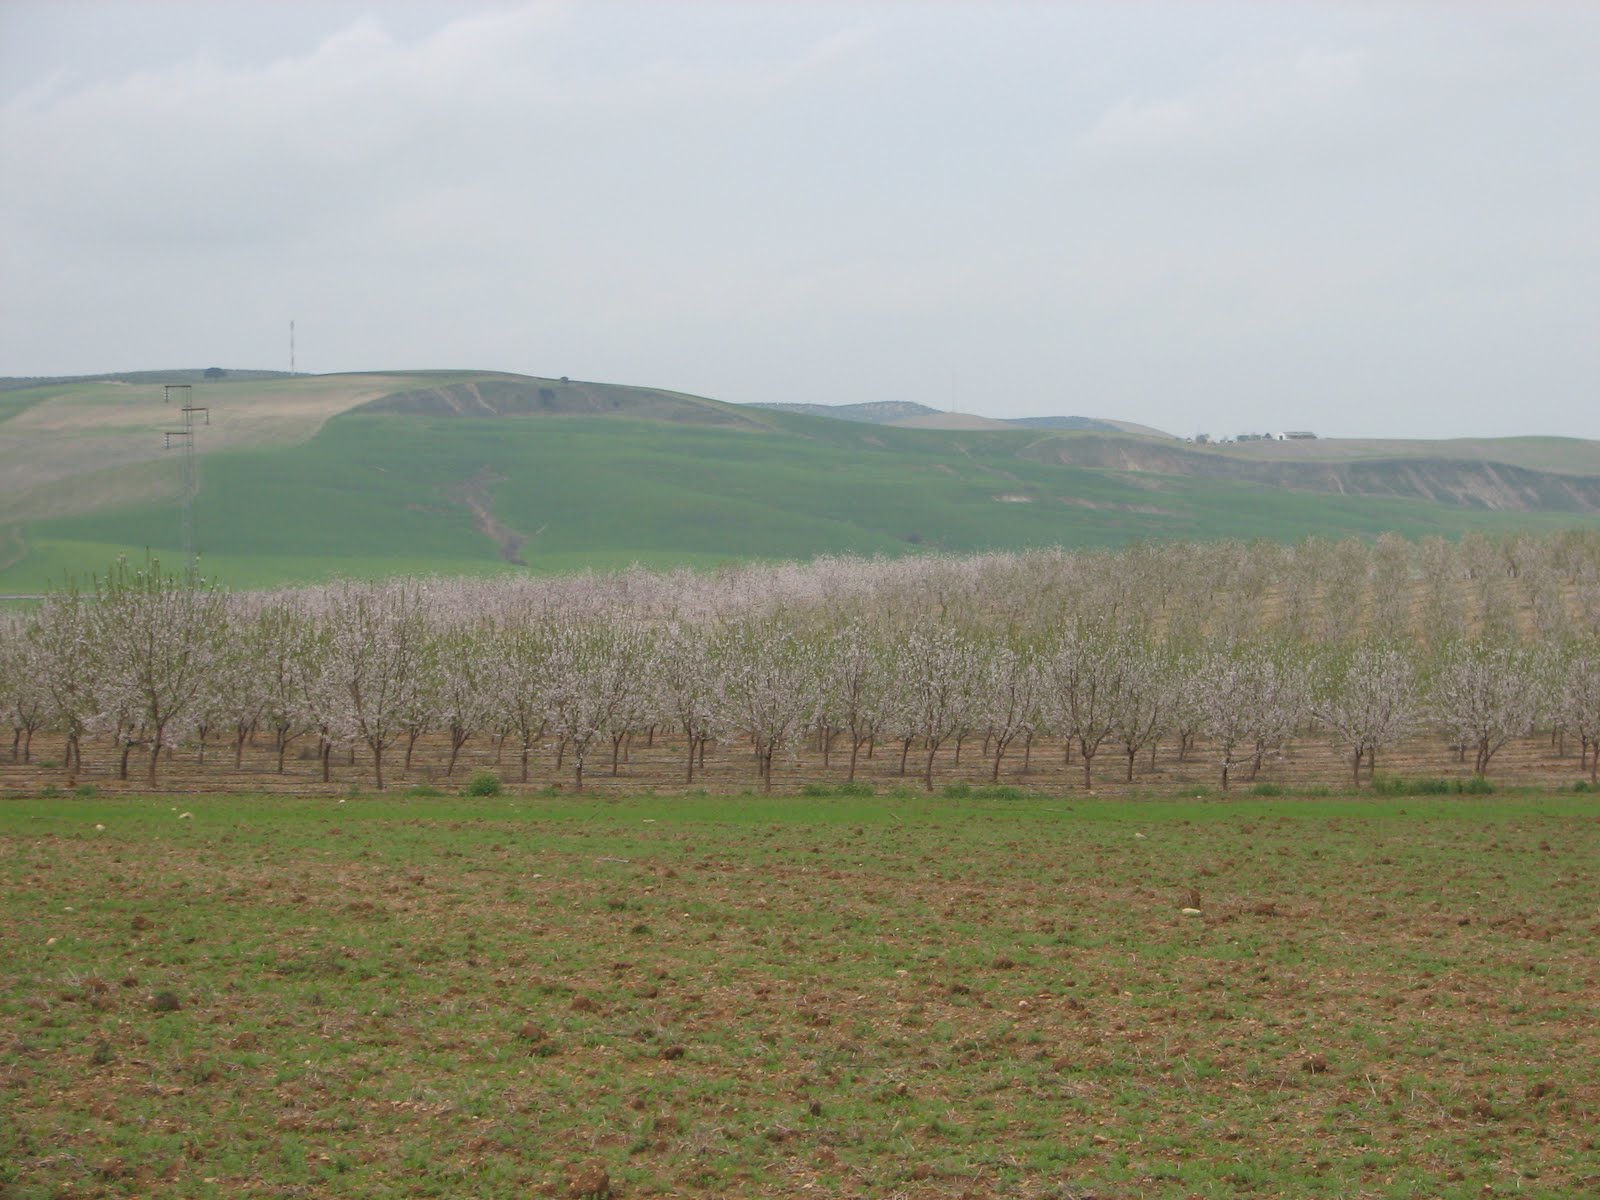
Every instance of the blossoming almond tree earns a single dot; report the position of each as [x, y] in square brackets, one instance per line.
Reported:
[70, 661]
[855, 682]
[936, 668]
[1578, 699]
[1008, 699]
[768, 687]
[161, 636]
[685, 688]
[1144, 703]
[1252, 699]
[1367, 698]
[22, 690]
[1083, 678]
[596, 672]
[376, 635]
[1484, 695]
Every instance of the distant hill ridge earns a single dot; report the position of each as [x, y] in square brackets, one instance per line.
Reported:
[13, 383]
[894, 412]
[371, 472]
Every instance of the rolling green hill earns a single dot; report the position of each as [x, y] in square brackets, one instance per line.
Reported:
[310, 477]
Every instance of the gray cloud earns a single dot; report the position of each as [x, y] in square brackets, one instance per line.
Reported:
[1365, 219]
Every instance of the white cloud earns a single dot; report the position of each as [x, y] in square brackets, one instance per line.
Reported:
[1246, 111]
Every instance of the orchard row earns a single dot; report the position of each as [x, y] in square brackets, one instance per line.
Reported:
[1234, 648]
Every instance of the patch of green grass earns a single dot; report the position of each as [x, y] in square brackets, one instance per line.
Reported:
[1390, 785]
[866, 995]
[374, 493]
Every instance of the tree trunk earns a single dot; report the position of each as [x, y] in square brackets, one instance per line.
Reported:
[377, 759]
[927, 767]
[905, 752]
[155, 757]
[524, 777]
[1132, 752]
[325, 752]
[855, 755]
[1356, 768]
[458, 739]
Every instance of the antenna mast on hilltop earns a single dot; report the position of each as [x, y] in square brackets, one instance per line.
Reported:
[181, 392]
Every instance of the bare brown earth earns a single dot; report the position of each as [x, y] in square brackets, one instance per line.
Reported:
[1430, 471]
[96, 445]
[475, 495]
[658, 764]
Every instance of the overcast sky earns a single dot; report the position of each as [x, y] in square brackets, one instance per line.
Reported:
[1366, 219]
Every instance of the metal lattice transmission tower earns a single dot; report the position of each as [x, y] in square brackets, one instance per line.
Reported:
[184, 438]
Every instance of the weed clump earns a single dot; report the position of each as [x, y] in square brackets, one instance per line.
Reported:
[483, 783]
[1387, 785]
[854, 787]
[165, 1002]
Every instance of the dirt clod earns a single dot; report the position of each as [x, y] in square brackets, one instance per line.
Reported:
[592, 1182]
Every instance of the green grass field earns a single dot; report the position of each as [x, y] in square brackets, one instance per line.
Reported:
[374, 492]
[408, 996]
